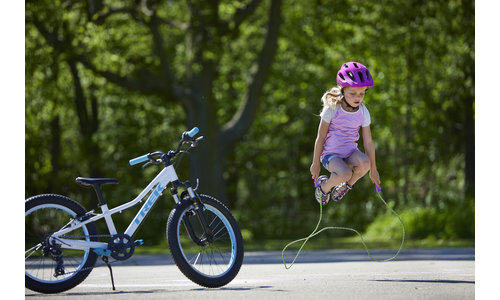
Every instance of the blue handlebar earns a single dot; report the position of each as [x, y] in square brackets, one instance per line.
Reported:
[193, 132]
[146, 157]
[138, 160]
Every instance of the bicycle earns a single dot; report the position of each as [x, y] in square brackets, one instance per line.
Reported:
[63, 244]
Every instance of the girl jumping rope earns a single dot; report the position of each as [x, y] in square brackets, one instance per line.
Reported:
[337, 149]
[336, 144]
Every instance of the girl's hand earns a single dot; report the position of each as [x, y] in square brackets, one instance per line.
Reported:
[375, 177]
[315, 170]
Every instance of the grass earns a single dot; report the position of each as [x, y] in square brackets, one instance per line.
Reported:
[328, 243]
[355, 243]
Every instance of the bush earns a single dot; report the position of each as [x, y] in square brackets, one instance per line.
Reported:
[426, 222]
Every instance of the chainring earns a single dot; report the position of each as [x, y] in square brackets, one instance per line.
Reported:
[122, 246]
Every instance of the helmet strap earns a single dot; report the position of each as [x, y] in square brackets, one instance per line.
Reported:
[347, 103]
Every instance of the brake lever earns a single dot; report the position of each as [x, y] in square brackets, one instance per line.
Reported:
[195, 142]
[152, 162]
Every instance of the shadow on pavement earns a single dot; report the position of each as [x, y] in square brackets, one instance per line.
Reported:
[111, 292]
[427, 281]
[361, 255]
[321, 256]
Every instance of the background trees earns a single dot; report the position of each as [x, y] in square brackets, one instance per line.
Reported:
[107, 81]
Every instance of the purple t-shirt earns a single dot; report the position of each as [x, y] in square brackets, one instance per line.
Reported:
[343, 133]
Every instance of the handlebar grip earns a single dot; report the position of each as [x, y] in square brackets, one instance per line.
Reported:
[193, 132]
[138, 160]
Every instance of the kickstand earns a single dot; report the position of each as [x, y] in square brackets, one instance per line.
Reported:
[105, 259]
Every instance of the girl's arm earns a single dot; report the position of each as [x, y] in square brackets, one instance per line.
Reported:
[318, 149]
[370, 151]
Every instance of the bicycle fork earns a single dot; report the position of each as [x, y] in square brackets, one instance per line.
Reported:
[207, 234]
[190, 195]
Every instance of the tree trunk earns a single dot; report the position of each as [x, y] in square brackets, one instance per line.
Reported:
[88, 124]
[211, 156]
[469, 140]
[55, 152]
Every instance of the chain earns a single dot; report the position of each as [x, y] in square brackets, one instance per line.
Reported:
[88, 236]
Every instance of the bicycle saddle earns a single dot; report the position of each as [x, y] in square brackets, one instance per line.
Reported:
[95, 181]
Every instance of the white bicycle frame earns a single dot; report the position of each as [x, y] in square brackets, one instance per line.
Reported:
[156, 187]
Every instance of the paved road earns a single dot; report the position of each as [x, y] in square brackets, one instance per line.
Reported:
[330, 274]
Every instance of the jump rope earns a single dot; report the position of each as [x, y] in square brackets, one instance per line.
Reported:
[315, 232]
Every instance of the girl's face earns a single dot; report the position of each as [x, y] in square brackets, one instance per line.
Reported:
[354, 95]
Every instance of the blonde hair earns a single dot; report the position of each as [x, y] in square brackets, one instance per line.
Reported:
[332, 97]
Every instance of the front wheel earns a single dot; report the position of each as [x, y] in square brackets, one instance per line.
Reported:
[216, 260]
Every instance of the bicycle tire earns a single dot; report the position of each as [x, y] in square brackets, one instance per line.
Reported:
[40, 212]
[222, 223]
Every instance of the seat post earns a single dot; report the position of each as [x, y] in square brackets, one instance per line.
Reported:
[96, 183]
[97, 188]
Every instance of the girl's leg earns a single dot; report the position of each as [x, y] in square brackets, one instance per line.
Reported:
[340, 173]
[360, 165]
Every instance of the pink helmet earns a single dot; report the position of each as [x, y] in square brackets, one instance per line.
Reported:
[354, 74]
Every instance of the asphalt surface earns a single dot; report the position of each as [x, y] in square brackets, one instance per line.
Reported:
[329, 274]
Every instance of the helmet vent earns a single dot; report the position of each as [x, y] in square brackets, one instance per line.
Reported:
[356, 65]
[346, 66]
[349, 73]
[341, 76]
[360, 74]
[367, 75]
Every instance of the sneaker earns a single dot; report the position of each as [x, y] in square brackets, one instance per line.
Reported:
[321, 196]
[340, 191]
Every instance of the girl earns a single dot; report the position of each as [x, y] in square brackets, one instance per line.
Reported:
[336, 144]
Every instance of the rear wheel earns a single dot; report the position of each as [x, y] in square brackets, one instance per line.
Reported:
[50, 268]
[208, 261]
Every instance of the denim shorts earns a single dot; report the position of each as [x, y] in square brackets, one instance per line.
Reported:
[326, 160]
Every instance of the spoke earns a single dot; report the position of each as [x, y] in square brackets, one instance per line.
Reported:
[196, 259]
[36, 248]
[215, 258]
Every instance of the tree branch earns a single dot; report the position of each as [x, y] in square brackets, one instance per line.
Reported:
[152, 85]
[244, 12]
[79, 99]
[239, 17]
[101, 18]
[50, 37]
[243, 118]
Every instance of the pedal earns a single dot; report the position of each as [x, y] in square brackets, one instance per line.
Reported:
[139, 243]
[102, 251]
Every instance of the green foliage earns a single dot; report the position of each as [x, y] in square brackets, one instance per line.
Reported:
[422, 106]
[426, 223]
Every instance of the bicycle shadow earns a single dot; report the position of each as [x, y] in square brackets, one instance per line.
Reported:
[240, 288]
[92, 293]
[156, 291]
